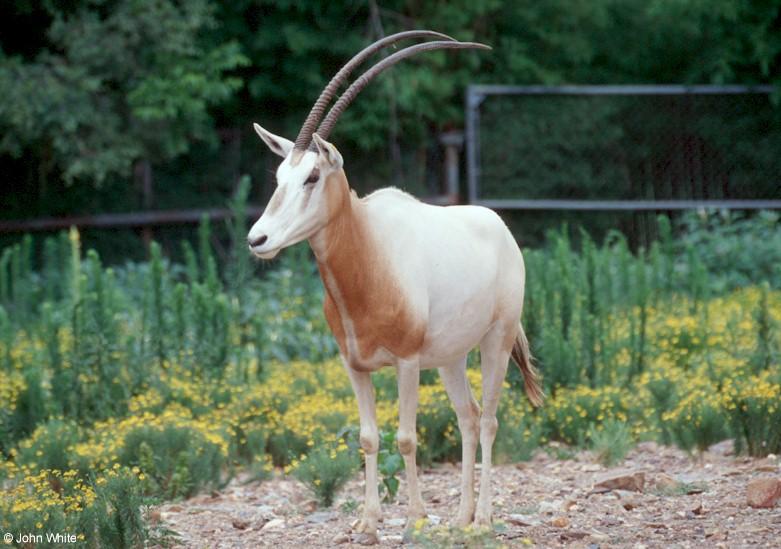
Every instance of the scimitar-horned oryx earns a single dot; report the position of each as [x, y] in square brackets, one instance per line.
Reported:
[406, 284]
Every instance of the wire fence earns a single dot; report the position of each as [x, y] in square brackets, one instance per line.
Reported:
[628, 148]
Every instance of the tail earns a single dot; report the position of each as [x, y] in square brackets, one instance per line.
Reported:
[531, 378]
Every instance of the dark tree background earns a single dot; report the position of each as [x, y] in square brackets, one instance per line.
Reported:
[124, 105]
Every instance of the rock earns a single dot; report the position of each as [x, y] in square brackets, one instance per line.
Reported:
[320, 517]
[569, 504]
[549, 507]
[628, 499]
[664, 483]
[723, 448]
[394, 522]
[523, 520]
[763, 492]
[560, 522]
[434, 519]
[767, 465]
[573, 535]
[274, 524]
[634, 482]
[239, 524]
[699, 510]
[309, 506]
[340, 539]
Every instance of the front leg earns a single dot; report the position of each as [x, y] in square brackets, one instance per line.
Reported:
[409, 379]
[370, 443]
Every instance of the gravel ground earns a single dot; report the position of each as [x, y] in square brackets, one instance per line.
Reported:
[669, 500]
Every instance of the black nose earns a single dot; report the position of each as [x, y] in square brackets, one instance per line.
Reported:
[258, 241]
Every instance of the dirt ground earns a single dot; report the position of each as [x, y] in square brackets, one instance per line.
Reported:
[547, 502]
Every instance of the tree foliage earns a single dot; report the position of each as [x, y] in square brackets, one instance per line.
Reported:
[95, 85]
[117, 81]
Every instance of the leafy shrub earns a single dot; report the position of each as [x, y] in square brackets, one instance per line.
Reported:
[389, 464]
[177, 460]
[326, 469]
[611, 442]
[570, 414]
[698, 420]
[49, 446]
[519, 432]
[737, 249]
[104, 513]
[753, 406]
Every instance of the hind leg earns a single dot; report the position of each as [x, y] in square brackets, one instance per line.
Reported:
[468, 413]
[494, 355]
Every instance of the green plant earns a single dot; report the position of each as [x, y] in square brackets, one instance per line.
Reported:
[389, 464]
[753, 406]
[444, 536]
[611, 442]
[698, 420]
[177, 461]
[49, 446]
[118, 513]
[326, 469]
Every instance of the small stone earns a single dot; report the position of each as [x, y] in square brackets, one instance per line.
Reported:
[239, 524]
[763, 492]
[340, 539]
[395, 522]
[320, 517]
[573, 535]
[560, 522]
[723, 448]
[699, 510]
[523, 520]
[549, 507]
[665, 483]
[434, 519]
[274, 524]
[569, 504]
[634, 482]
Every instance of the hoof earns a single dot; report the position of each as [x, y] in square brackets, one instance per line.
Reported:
[367, 538]
[415, 513]
[482, 521]
[365, 526]
[462, 520]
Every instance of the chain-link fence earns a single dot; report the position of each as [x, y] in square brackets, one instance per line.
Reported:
[623, 147]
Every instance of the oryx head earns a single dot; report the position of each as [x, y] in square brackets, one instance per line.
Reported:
[299, 208]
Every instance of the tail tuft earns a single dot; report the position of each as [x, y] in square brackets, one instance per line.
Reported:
[531, 378]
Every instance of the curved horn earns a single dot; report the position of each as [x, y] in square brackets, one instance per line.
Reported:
[361, 82]
[305, 134]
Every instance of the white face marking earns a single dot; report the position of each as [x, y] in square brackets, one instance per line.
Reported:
[296, 209]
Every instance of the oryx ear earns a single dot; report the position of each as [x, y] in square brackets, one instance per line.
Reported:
[328, 152]
[278, 145]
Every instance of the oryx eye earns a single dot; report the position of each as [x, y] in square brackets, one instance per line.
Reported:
[313, 177]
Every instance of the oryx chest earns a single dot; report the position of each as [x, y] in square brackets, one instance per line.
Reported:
[373, 321]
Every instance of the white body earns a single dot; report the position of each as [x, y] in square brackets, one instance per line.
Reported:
[408, 285]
